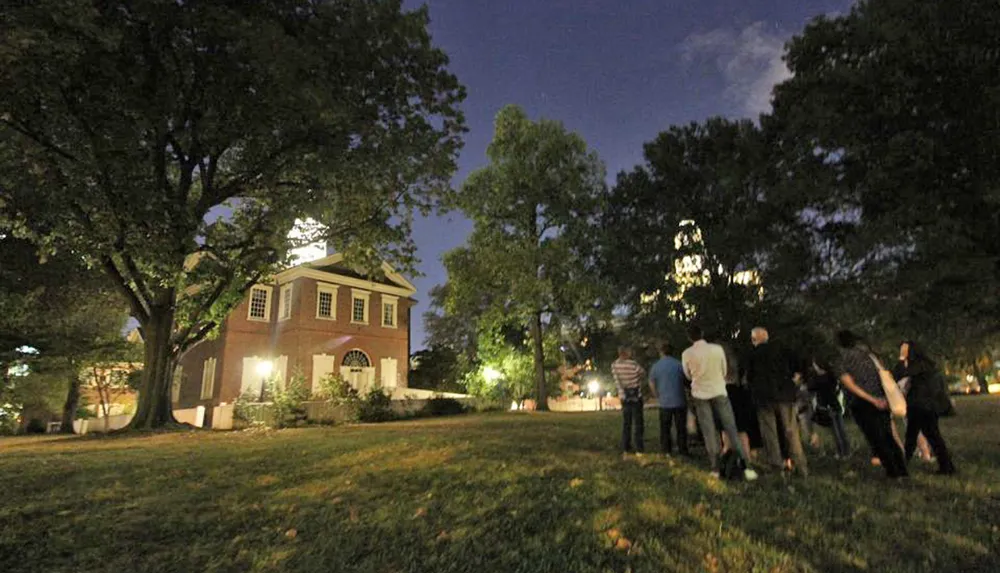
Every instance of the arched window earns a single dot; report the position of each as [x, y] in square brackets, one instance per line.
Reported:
[356, 359]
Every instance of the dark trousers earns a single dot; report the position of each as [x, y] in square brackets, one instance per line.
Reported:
[922, 420]
[840, 432]
[632, 422]
[874, 424]
[678, 418]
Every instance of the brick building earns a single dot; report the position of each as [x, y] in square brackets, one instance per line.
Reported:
[320, 317]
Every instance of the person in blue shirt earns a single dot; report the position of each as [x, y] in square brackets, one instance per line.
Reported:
[667, 380]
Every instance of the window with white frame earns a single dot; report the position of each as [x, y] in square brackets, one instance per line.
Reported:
[389, 311]
[285, 303]
[208, 379]
[326, 301]
[260, 304]
[359, 306]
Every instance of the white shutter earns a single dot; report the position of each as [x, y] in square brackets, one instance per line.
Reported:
[323, 364]
[389, 373]
[250, 381]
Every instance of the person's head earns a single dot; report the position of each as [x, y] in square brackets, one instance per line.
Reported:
[758, 335]
[665, 349]
[847, 339]
[695, 333]
[624, 352]
[913, 352]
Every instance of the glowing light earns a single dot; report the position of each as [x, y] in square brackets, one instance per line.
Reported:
[993, 388]
[491, 374]
[264, 368]
[594, 386]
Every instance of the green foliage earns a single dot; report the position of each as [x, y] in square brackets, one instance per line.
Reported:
[437, 368]
[889, 129]
[287, 397]
[145, 121]
[334, 388]
[532, 206]
[376, 406]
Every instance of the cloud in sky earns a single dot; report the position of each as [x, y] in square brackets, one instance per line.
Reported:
[749, 61]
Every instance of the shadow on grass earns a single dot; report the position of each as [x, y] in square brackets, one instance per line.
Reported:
[483, 493]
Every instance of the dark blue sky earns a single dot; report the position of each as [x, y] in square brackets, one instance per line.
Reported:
[617, 72]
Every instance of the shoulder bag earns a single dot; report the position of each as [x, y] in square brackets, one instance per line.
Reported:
[893, 395]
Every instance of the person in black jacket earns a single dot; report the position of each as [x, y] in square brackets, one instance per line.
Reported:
[771, 374]
[926, 400]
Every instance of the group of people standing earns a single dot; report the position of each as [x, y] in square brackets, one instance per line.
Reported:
[759, 399]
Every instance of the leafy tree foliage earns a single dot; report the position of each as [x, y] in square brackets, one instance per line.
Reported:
[529, 206]
[894, 110]
[56, 315]
[697, 233]
[173, 144]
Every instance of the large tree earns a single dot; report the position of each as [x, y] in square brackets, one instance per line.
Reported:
[697, 234]
[895, 107]
[175, 143]
[55, 315]
[531, 206]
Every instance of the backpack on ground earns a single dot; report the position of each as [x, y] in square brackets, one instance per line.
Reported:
[732, 466]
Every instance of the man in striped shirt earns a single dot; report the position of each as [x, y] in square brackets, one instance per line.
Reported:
[628, 376]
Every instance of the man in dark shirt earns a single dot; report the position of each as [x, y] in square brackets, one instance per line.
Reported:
[771, 375]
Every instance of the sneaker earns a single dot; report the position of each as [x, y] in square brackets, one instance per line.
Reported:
[750, 475]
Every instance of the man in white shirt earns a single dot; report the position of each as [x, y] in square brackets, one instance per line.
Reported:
[705, 365]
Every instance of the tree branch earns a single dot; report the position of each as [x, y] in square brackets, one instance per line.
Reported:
[140, 309]
[24, 130]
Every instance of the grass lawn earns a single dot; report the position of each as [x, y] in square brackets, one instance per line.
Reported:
[485, 493]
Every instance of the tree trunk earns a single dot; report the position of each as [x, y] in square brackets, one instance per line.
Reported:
[72, 404]
[541, 388]
[153, 408]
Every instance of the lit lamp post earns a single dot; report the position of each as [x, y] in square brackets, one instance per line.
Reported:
[595, 388]
[264, 368]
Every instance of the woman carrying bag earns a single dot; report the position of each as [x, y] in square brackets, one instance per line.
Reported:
[861, 376]
[926, 400]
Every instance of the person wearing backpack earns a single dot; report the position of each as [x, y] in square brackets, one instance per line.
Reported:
[926, 400]
[821, 382]
[628, 377]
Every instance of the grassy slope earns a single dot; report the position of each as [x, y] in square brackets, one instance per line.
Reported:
[486, 493]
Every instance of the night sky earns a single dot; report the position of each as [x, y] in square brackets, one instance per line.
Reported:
[616, 72]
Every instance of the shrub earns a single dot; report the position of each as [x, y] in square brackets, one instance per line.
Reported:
[287, 398]
[35, 426]
[249, 411]
[443, 407]
[376, 406]
[10, 417]
[334, 388]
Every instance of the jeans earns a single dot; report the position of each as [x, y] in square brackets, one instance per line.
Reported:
[632, 421]
[769, 432]
[678, 418]
[874, 424]
[719, 406]
[922, 420]
[839, 433]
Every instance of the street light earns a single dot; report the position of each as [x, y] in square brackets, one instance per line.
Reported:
[491, 374]
[264, 368]
[595, 388]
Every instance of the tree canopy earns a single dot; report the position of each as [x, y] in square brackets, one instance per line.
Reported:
[890, 129]
[173, 144]
[530, 206]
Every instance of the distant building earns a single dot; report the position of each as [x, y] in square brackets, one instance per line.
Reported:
[319, 316]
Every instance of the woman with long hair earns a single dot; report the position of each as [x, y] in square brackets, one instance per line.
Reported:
[926, 400]
[859, 376]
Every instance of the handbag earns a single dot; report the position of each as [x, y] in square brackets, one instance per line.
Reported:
[822, 416]
[893, 395]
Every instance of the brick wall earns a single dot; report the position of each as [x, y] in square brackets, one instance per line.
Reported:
[298, 338]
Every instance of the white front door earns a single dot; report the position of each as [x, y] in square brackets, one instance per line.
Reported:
[361, 379]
